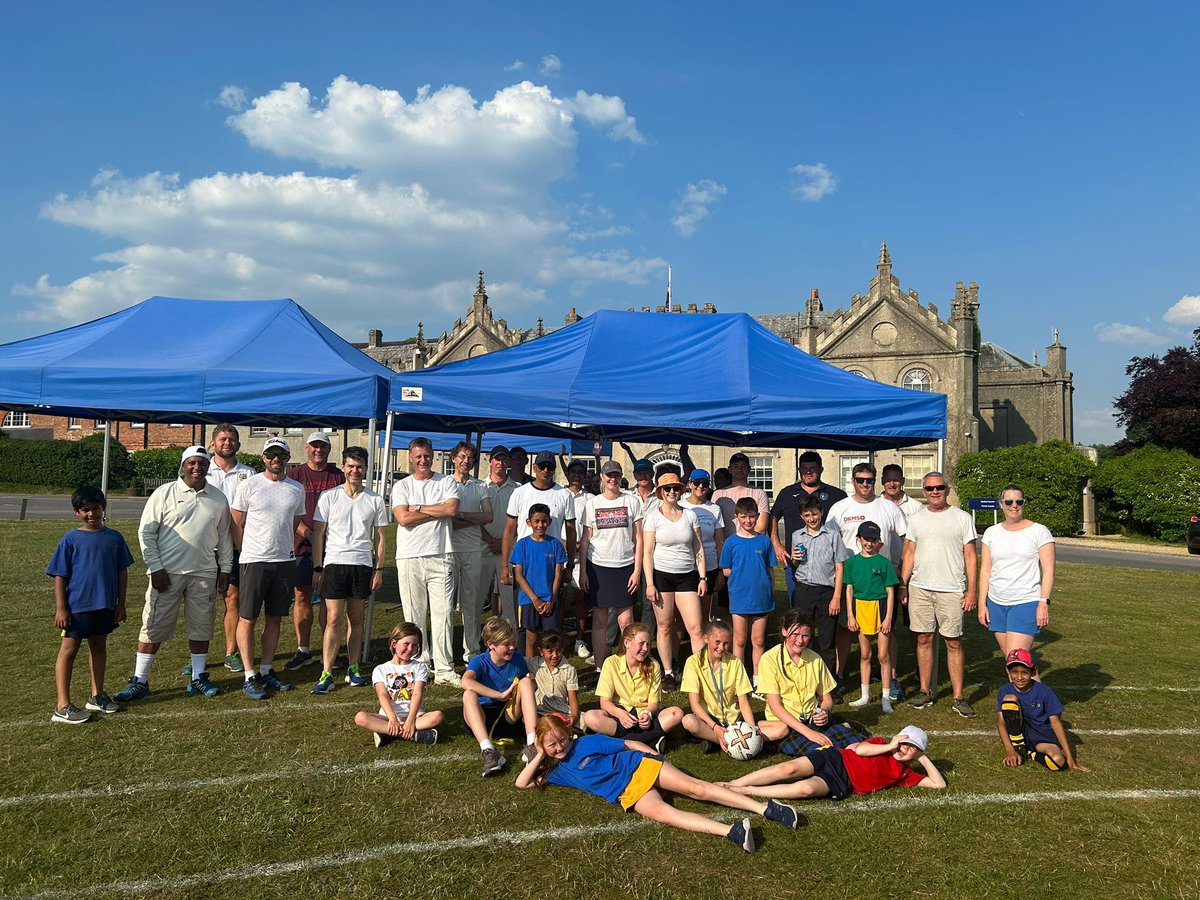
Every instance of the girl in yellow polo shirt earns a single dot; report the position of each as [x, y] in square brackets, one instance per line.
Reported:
[718, 688]
[630, 692]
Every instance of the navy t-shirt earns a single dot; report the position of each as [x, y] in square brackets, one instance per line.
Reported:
[91, 562]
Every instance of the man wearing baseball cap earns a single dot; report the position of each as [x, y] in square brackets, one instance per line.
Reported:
[181, 524]
[316, 475]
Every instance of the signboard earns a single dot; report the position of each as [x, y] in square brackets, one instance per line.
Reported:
[990, 503]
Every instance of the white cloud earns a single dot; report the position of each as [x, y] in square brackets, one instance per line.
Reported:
[695, 204]
[813, 182]
[1097, 426]
[1185, 311]
[380, 245]
[550, 65]
[1120, 333]
[515, 66]
[601, 110]
[232, 97]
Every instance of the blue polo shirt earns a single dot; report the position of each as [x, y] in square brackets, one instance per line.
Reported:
[598, 765]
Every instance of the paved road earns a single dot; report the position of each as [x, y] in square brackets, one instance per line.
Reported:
[53, 506]
[1128, 559]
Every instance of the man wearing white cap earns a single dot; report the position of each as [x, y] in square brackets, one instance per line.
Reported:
[181, 524]
[316, 475]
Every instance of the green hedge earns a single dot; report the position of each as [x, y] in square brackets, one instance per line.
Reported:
[1051, 474]
[1151, 491]
[65, 464]
[163, 462]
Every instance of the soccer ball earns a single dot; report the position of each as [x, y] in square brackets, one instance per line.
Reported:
[743, 740]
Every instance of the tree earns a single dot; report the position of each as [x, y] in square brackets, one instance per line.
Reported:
[1151, 491]
[1159, 407]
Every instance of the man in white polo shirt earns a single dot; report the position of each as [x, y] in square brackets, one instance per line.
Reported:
[181, 524]
[425, 505]
[266, 512]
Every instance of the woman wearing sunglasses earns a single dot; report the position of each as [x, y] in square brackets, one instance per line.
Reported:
[1016, 576]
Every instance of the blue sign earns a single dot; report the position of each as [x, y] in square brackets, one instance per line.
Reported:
[984, 503]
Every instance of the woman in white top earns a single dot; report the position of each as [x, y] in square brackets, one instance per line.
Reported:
[673, 558]
[1016, 576]
[712, 534]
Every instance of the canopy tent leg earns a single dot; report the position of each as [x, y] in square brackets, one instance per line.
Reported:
[104, 463]
[478, 450]
[371, 452]
[386, 463]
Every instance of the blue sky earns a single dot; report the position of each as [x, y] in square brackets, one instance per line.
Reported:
[367, 159]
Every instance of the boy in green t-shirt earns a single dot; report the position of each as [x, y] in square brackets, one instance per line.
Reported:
[870, 594]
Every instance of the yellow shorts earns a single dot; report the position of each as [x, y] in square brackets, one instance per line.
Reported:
[867, 613]
[644, 777]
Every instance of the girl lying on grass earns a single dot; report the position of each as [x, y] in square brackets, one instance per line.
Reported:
[630, 775]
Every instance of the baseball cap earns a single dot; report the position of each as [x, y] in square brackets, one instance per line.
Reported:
[319, 437]
[612, 467]
[699, 475]
[277, 443]
[869, 530]
[194, 450]
[543, 458]
[576, 463]
[643, 465]
[911, 734]
[499, 450]
[739, 457]
[1019, 657]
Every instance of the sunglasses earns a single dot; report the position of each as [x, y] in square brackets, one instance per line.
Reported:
[702, 484]
[543, 465]
[612, 474]
[671, 489]
[1020, 502]
[934, 488]
[864, 480]
[276, 454]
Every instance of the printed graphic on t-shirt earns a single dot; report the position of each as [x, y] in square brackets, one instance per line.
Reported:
[399, 686]
[616, 517]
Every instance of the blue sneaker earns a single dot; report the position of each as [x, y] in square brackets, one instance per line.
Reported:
[324, 684]
[742, 836]
[134, 690]
[186, 670]
[202, 686]
[254, 689]
[897, 693]
[269, 680]
[354, 676]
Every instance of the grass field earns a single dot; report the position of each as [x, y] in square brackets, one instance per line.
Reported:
[185, 797]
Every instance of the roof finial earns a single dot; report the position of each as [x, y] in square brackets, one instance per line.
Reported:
[885, 258]
[480, 293]
[479, 287]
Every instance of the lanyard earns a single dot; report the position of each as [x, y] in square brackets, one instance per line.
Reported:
[719, 686]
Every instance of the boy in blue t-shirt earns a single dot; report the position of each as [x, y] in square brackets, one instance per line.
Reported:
[1028, 717]
[89, 568]
[538, 563]
[747, 559]
[498, 695]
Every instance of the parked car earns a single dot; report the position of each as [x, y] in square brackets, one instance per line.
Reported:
[1193, 534]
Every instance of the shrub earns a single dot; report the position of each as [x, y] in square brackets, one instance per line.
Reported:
[1151, 490]
[65, 464]
[253, 460]
[156, 463]
[1052, 475]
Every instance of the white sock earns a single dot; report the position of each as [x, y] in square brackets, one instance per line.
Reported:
[199, 664]
[250, 673]
[264, 669]
[141, 667]
[302, 650]
[866, 692]
[485, 744]
[529, 739]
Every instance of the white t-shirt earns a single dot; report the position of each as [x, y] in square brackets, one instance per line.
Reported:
[428, 538]
[271, 507]
[557, 497]
[848, 514]
[1016, 567]
[350, 524]
[938, 563]
[710, 519]
[673, 550]
[471, 495]
[227, 482]
[399, 679]
[612, 541]
[499, 494]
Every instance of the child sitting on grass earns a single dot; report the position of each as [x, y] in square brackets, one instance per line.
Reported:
[90, 571]
[718, 689]
[1028, 717]
[498, 695]
[870, 601]
[400, 686]
[630, 692]
[555, 683]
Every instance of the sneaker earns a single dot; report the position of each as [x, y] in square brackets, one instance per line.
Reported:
[270, 680]
[783, 814]
[887, 705]
[896, 694]
[186, 670]
[839, 692]
[741, 835]
[426, 736]
[254, 688]
[101, 703]
[921, 700]
[528, 753]
[69, 715]
[201, 685]
[581, 650]
[493, 762]
[963, 708]
[382, 740]
[324, 684]
[233, 662]
[354, 676]
[452, 679]
[707, 747]
[669, 683]
[299, 660]
[859, 703]
[134, 690]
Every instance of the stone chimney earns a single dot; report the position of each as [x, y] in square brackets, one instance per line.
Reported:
[374, 337]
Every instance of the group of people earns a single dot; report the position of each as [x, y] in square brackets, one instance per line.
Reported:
[507, 547]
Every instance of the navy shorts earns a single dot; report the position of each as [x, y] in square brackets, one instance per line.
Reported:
[93, 623]
[828, 766]
[529, 619]
[493, 716]
[346, 582]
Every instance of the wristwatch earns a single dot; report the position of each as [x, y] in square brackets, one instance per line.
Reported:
[318, 568]
[417, 507]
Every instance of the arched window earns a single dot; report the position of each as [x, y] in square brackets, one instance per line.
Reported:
[917, 380]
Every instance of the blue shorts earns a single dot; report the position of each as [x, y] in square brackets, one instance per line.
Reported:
[828, 766]
[93, 623]
[1019, 619]
[529, 619]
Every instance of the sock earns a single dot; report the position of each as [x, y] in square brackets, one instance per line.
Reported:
[530, 738]
[1045, 759]
[264, 669]
[199, 664]
[141, 667]
[866, 692]
[1014, 724]
[250, 673]
[302, 650]
[887, 704]
[485, 744]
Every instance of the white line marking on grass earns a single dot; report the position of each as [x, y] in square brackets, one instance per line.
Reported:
[373, 854]
[1124, 687]
[195, 784]
[1102, 732]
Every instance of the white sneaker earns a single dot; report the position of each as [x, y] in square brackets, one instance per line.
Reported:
[581, 650]
[859, 703]
[451, 679]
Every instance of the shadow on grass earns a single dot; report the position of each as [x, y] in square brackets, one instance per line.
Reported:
[1082, 682]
